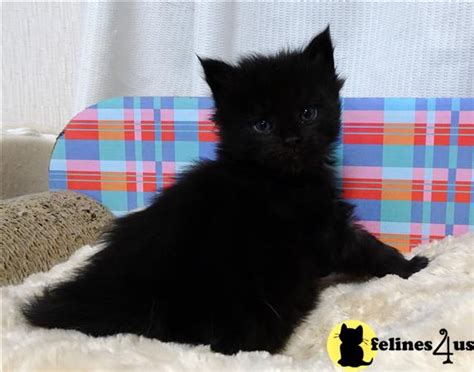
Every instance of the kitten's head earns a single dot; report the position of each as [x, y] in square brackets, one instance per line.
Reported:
[351, 335]
[280, 111]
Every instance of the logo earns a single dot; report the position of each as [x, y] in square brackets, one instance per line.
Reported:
[352, 345]
[349, 345]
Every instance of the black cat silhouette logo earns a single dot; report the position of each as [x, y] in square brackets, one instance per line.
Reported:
[349, 345]
[351, 353]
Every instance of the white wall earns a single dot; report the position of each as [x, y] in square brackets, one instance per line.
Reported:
[398, 49]
[53, 65]
[40, 46]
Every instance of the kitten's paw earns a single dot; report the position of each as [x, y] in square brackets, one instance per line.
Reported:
[414, 265]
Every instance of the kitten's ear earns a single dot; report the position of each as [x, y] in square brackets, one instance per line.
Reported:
[216, 72]
[320, 49]
[344, 327]
[359, 329]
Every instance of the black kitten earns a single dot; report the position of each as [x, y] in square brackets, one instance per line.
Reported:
[352, 355]
[228, 256]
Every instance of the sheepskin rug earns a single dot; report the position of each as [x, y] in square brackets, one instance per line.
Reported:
[441, 296]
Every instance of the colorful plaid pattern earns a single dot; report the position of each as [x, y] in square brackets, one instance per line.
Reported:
[407, 163]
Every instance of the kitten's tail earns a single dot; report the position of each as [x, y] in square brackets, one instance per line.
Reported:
[51, 311]
[57, 309]
[364, 363]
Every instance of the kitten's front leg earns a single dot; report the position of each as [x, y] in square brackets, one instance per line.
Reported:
[364, 254]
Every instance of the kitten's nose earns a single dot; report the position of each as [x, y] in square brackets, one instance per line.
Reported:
[291, 141]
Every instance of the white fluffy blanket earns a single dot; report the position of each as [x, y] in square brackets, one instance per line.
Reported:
[441, 296]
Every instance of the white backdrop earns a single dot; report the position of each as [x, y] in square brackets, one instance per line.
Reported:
[40, 49]
[58, 57]
[384, 49]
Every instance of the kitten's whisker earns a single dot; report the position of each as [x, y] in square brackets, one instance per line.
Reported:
[272, 308]
[152, 315]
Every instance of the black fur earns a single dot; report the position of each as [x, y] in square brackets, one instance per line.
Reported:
[230, 254]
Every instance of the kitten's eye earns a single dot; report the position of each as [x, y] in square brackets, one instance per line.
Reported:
[263, 126]
[309, 114]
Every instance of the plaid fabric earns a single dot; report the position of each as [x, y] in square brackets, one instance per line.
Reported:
[407, 163]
